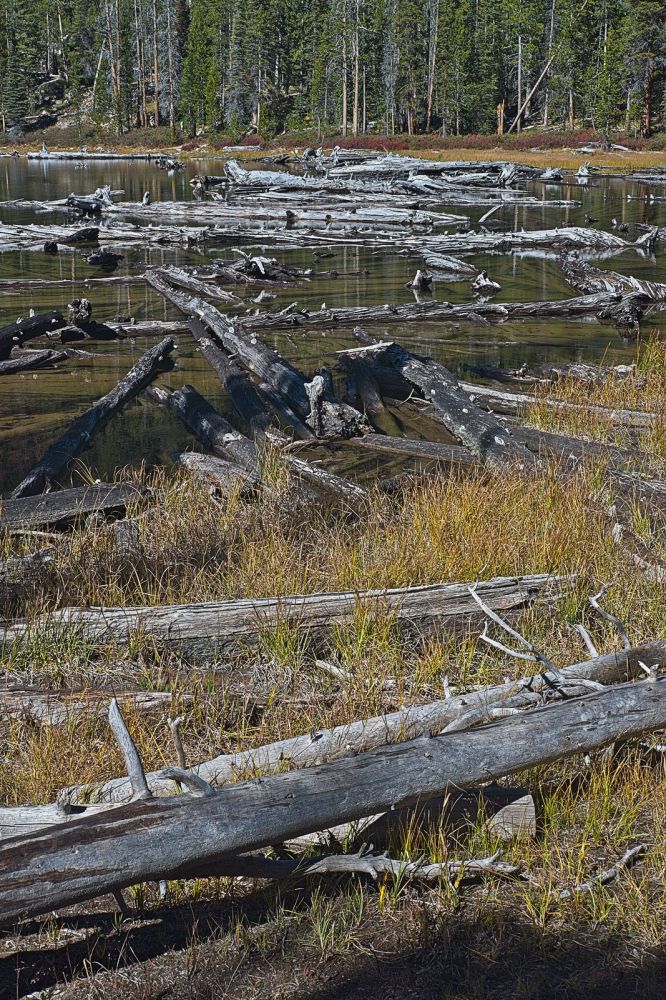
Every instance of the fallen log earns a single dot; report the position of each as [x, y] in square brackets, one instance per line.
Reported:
[225, 478]
[162, 838]
[79, 435]
[200, 629]
[64, 507]
[31, 360]
[57, 708]
[22, 575]
[515, 405]
[368, 734]
[478, 431]
[18, 333]
[220, 437]
[584, 277]
[177, 276]
[333, 418]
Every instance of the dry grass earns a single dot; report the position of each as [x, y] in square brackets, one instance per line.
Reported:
[234, 940]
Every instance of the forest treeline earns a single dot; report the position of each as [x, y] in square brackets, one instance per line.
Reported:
[351, 66]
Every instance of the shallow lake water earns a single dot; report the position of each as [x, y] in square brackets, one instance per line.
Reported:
[36, 406]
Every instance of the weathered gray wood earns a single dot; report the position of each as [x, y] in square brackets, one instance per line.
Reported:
[223, 624]
[21, 575]
[367, 734]
[78, 436]
[477, 430]
[584, 277]
[431, 451]
[178, 276]
[66, 506]
[31, 360]
[160, 838]
[340, 420]
[226, 478]
[220, 437]
[21, 331]
[247, 402]
[514, 404]
[55, 708]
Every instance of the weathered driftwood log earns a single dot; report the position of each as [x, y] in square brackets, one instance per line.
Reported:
[335, 418]
[430, 451]
[79, 435]
[178, 276]
[244, 396]
[31, 360]
[63, 507]
[225, 478]
[22, 330]
[216, 625]
[21, 575]
[442, 312]
[515, 405]
[555, 240]
[368, 734]
[160, 838]
[477, 430]
[55, 708]
[584, 277]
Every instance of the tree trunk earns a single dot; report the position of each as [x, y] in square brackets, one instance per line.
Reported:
[163, 838]
[217, 626]
[23, 330]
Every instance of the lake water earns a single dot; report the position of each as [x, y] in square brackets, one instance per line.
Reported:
[36, 406]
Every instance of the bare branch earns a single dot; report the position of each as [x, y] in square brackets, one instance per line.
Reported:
[194, 784]
[611, 873]
[587, 639]
[594, 602]
[174, 727]
[135, 771]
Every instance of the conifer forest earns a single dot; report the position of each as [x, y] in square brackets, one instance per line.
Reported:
[344, 66]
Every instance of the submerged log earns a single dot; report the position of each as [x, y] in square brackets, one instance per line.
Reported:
[32, 360]
[159, 838]
[18, 333]
[219, 625]
[367, 734]
[333, 418]
[54, 462]
[64, 507]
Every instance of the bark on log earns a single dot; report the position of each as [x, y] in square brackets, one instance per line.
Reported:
[22, 575]
[79, 435]
[21, 331]
[160, 838]
[31, 360]
[368, 734]
[63, 507]
[339, 419]
[485, 437]
[218, 625]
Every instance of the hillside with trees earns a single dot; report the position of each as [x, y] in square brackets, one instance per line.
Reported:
[334, 66]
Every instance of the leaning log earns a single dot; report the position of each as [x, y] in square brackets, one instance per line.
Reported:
[335, 419]
[475, 429]
[200, 629]
[65, 507]
[22, 330]
[178, 276]
[162, 838]
[78, 436]
[367, 734]
[584, 277]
